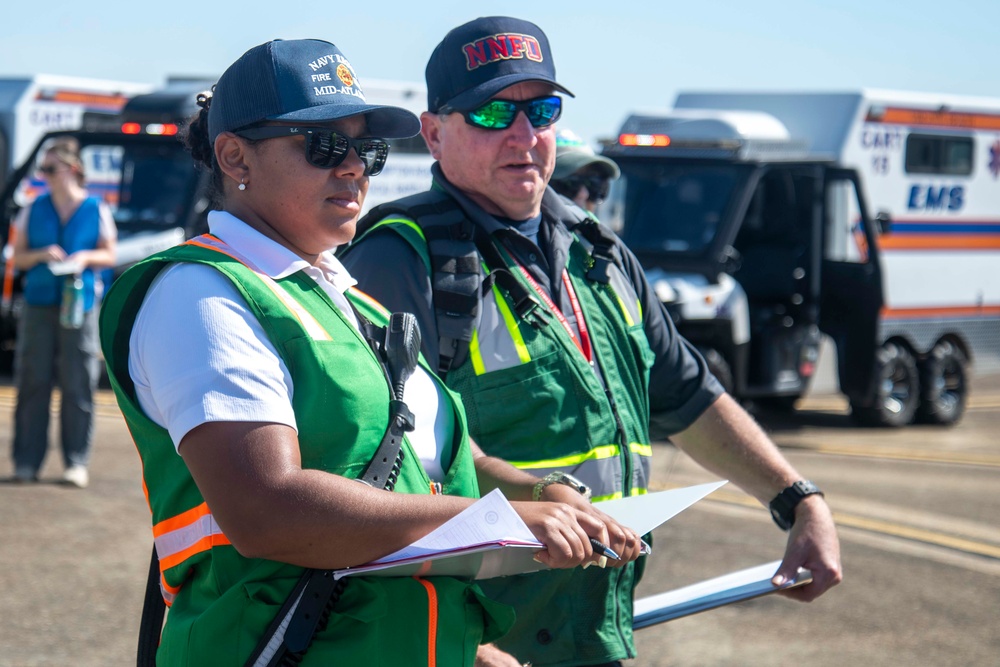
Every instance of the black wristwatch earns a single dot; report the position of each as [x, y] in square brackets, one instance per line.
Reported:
[784, 504]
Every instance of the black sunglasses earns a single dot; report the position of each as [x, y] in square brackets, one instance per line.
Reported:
[597, 187]
[326, 148]
[48, 170]
[500, 114]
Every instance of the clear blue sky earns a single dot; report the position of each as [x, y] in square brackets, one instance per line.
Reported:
[616, 56]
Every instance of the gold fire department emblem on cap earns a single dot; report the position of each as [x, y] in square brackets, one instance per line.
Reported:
[344, 74]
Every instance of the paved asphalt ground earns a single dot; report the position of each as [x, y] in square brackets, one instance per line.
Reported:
[918, 508]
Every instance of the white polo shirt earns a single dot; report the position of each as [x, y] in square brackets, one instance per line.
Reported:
[198, 355]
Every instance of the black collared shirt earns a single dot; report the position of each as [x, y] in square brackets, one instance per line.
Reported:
[390, 270]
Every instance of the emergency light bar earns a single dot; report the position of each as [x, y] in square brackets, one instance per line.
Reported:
[162, 129]
[656, 140]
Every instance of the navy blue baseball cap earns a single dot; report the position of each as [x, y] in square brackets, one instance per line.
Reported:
[477, 60]
[298, 80]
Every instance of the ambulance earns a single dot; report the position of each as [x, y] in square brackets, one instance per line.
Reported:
[753, 215]
[32, 106]
[136, 163]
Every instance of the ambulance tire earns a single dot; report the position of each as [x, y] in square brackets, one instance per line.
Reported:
[719, 367]
[897, 390]
[944, 385]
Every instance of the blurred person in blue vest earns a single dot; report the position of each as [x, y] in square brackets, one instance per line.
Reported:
[62, 243]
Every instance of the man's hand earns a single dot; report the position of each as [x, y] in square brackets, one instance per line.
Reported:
[489, 655]
[812, 544]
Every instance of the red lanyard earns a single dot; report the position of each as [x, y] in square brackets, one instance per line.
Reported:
[583, 343]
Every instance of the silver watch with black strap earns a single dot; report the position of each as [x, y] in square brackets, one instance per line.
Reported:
[560, 477]
[784, 504]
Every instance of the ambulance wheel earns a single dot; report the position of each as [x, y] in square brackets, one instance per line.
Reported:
[897, 389]
[944, 385]
[719, 367]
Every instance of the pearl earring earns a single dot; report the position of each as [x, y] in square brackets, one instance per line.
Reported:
[243, 186]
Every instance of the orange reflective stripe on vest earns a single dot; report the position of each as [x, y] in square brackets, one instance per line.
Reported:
[182, 536]
[432, 621]
[309, 323]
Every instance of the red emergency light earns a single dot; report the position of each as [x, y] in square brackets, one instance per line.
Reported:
[655, 140]
[162, 129]
[156, 129]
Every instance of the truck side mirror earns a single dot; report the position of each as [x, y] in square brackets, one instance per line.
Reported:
[883, 222]
[732, 260]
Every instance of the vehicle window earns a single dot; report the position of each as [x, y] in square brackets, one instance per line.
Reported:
[674, 208]
[156, 185]
[935, 154]
[845, 236]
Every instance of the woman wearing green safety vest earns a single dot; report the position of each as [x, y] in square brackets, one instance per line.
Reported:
[240, 362]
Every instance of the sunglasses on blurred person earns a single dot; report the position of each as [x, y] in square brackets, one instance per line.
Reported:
[597, 187]
[50, 169]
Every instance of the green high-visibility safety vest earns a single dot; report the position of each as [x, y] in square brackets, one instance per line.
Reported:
[220, 601]
[533, 399]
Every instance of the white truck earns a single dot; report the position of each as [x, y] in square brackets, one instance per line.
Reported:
[749, 212]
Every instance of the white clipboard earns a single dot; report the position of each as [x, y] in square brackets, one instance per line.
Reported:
[727, 589]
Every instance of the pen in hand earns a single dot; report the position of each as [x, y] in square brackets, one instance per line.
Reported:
[604, 549]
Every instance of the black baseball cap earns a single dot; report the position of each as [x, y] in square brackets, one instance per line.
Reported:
[298, 80]
[477, 60]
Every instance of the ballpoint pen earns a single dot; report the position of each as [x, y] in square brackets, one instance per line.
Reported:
[604, 549]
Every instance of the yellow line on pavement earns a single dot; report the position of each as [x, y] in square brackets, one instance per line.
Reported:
[988, 460]
[918, 535]
[879, 526]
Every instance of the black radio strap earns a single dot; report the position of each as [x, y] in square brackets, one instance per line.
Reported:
[308, 607]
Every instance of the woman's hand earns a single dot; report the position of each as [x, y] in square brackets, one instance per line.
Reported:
[566, 530]
[489, 655]
[51, 253]
[621, 539]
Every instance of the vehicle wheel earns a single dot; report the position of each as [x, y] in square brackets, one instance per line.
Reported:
[719, 367]
[897, 389]
[944, 385]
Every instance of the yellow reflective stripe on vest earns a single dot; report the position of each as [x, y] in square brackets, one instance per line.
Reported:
[626, 297]
[597, 453]
[309, 323]
[401, 221]
[185, 535]
[504, 346]
[600, 469]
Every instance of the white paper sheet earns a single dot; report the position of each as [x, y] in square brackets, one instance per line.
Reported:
[488, 539]
[490, 520]
[646, 512]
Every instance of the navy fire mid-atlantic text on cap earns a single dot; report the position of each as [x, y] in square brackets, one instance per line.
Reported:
[477, 60]
[298, 80]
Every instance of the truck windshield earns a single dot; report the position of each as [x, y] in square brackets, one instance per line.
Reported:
[675, 208]
[157, 182]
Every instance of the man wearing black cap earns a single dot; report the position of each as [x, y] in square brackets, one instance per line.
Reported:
[580, 174]
[544, 323]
